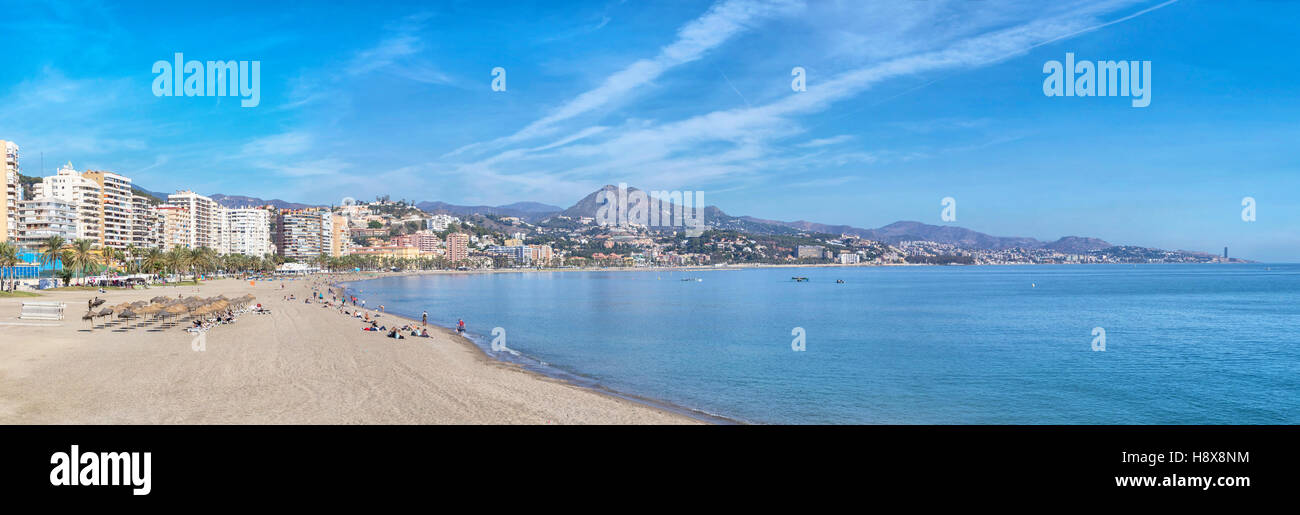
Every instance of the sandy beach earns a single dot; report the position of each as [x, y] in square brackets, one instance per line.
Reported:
[301, 364]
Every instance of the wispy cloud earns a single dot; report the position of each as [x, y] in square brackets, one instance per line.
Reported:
[724, 21]
[728, 143]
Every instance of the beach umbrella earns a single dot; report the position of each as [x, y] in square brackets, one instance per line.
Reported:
[90, 315]
[127, 314]
[97, 302]
[160, 299]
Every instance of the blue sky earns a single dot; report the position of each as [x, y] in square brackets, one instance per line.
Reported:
[907, 102]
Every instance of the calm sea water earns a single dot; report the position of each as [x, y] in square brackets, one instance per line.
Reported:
[1185, 344]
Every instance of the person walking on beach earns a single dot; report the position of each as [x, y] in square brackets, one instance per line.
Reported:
[460, 325]
[424, 318]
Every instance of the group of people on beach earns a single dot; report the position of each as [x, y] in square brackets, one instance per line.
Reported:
[341, 298]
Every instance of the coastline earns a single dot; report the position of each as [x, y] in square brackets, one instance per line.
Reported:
[539, 369]
[297, 365]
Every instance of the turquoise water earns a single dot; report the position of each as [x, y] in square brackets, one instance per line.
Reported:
[1185, 344]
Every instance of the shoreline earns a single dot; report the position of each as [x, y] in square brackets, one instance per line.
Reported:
[542, 371]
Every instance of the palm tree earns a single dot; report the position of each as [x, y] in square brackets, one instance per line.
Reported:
[81, 256]
[114, 256]
[8, 260]
[205, 260]
[179, 259]
[51, 250]
[131, 252]
[154, 261]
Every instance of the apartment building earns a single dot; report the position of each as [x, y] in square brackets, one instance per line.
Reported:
[45, 217]
[84, 193]
[440, 222]
[457, 247]
[12, 193]
[340, 242]
[176, 229]
[207, 219]
[146, 224]
[519, 254]
[427, 242]
[115, 208]
[248, 231]
[304, 233]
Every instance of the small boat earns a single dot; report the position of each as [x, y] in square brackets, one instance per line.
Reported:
[800, 279]
[839, 281]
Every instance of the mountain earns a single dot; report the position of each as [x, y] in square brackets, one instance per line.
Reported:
[530, 211]
[892, 233]
[531, 207]
[959, 236]
[244, 201]
[1077, 245]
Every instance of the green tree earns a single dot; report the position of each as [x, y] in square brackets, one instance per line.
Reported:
[81, 256]
[8, 260]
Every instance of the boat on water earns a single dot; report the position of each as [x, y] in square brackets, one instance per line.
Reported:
[800, 279]
[839, 281]
[696, 279]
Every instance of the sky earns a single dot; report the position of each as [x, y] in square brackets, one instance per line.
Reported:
[905, 102]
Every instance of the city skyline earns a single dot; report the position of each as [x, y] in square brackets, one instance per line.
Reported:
[696, 96]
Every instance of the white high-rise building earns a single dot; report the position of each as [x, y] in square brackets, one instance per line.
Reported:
[44, 217]
[115, 208]
[12, 192]
[146, 224]
[249, 231]
[84, 193]
[207, 219]
[440, 221]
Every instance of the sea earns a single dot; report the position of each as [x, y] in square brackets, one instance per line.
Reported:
[1020, 344]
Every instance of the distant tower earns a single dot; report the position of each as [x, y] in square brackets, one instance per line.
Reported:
[1225, 252]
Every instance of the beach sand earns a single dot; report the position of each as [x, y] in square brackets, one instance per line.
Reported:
[302, 364]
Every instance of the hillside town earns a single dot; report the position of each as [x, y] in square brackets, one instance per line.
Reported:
[92, 222]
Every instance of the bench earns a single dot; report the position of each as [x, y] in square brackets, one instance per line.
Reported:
[42, 310]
